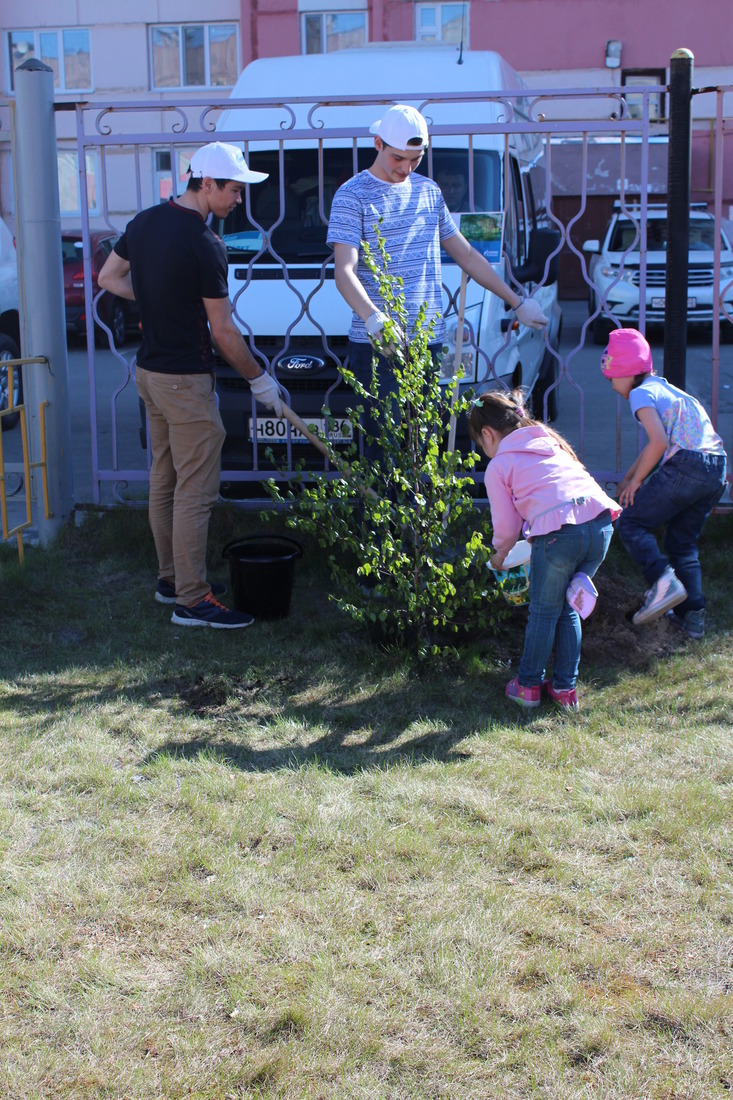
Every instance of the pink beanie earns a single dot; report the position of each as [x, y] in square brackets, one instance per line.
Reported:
[627, 354]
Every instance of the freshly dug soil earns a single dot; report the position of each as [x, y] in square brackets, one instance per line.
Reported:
[610, 638]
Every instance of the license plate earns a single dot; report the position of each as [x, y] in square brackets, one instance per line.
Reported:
[272, 430]
[658, 303]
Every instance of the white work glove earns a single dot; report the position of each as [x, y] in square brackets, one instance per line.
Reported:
[529, 313]
[267, 390]
[375, 331]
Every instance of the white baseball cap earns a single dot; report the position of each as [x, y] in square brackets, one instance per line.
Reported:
[399, 125]
[220, 161]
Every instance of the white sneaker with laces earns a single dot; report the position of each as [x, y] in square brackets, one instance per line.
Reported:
[665, 594]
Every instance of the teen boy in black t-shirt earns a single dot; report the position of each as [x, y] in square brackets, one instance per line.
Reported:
[175, 267]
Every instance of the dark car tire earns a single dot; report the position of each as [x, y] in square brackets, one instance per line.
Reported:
[601, 331]
[600, 326]
[10, 350]
[116, 321]
[546, 377]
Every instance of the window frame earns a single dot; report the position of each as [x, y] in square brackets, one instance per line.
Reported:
[166, 183]
[323, 15]
[645, 77]
[430, 40]
[35, 34]
[71, 178]
[181, 28]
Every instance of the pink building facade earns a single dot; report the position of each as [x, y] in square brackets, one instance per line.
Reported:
[160, 50]
[535, 36]
[553, 44]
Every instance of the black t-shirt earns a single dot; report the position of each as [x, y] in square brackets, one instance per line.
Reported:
[175, 262]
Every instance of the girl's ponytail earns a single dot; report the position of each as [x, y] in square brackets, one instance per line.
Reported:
[503, 410]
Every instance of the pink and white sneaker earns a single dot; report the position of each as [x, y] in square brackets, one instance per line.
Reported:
[521, 695]
[567, 698]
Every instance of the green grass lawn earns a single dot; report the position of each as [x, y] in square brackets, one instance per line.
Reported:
[284, 862]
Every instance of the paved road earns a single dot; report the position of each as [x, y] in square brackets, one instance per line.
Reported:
[598, 424]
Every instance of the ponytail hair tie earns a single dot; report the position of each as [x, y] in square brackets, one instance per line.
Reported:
[520, 410]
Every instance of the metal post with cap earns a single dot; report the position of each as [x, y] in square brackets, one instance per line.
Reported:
[678, 217]
[40, 269]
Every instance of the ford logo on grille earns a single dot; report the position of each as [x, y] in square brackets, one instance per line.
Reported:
[300, 363]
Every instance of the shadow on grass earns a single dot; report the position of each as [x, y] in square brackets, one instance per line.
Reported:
[399, 714]
[413, 722]
[311, 688]
[329, 752]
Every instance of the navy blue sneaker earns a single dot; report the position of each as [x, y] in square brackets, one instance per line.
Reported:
[209, 612]
[165, 592]
[692, 623]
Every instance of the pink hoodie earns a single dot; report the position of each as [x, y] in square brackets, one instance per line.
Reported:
[536, 486]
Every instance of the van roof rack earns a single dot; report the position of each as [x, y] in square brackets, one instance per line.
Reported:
[634, 206]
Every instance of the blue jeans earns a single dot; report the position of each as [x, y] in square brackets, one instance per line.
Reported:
[556, 557]
[681, 493]
[360, 362]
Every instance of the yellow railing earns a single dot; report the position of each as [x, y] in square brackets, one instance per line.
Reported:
[27, 466]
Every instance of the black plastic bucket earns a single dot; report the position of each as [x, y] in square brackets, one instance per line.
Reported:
[262, 568]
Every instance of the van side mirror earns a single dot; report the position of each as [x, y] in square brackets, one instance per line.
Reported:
[542, 243]
[591, 246]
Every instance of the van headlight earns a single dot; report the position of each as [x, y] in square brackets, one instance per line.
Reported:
[448, 354]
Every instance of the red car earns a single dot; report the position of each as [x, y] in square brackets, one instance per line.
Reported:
[119, 314]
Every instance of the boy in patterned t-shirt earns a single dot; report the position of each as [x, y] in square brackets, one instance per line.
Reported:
[681, 493]
[410, 214]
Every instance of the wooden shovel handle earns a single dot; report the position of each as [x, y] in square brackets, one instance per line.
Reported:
[457, 361]
[326, 451]
[318, 443]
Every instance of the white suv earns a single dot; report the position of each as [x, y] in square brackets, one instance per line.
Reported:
[614, 271]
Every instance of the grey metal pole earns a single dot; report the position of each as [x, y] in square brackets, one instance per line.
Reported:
[678, 217]
[38, 235]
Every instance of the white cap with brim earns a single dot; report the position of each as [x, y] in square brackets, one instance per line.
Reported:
[220, 161]
[400, 125]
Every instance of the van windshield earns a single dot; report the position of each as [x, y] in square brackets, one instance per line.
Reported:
[293, 218]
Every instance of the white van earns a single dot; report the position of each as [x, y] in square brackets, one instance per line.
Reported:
[280, 269]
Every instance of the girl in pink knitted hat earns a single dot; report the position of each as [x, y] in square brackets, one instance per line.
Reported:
[680, 493]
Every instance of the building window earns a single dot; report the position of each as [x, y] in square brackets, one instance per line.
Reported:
[643, 78]
[69, 194]
[194, 55]
[66, 52]
[324, 31]
[441, 23]
[170, 168]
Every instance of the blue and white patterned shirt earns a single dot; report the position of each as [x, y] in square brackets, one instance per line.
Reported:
[414, 220]
[686, 423]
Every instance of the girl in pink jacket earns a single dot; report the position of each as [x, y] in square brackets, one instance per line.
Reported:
[538, 489]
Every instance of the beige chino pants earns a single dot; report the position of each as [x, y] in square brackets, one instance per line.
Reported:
[186, 437]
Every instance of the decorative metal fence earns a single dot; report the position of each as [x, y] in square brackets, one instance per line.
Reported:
[590, 148]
